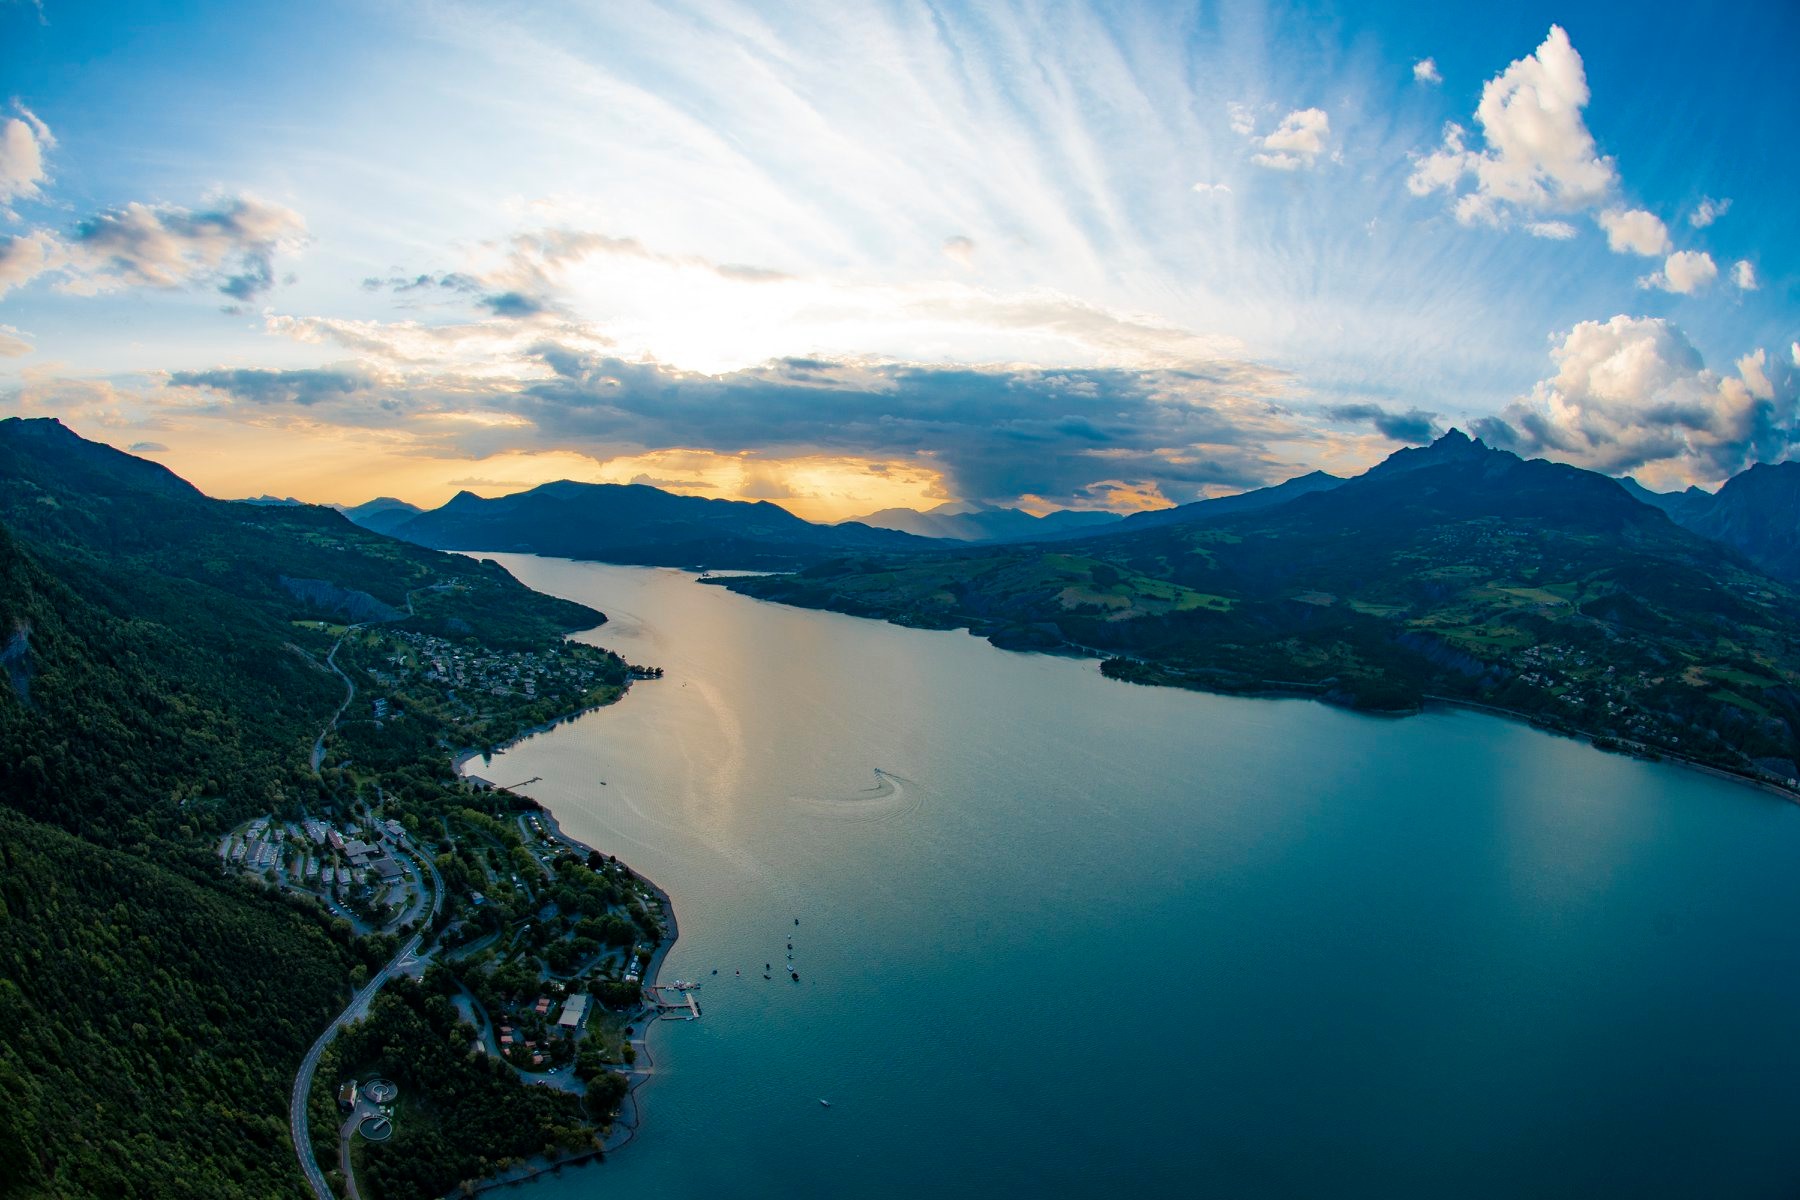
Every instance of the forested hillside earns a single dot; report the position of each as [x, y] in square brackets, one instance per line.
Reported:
[160, 680]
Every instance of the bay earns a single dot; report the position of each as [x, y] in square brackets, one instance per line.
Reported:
[1082, 937]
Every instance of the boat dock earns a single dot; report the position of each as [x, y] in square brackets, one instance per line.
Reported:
[682, 1007]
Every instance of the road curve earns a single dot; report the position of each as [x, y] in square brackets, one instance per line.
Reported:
[356, 1010]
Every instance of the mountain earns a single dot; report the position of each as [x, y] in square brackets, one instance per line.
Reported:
[1451, 570]
[1682, 507]
[1757, 512]
[162, 678]
[1222, 506]
[383, 514]
[287, 501]
[980, 524]
[633, 523]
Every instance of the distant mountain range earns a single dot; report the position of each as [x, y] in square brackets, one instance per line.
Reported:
[1451, 570]
[1756, 512]
[963, 523]
[631, 523]
[384, 514]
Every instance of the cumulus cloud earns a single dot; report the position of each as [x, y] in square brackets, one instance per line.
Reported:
[1684, 272]
[1708, 211]
[1743, 274]
[1634, 231]
[25, 257]
[1634, 392]
[1297, 142]
[1212, 189]
[1536, 154]
[14, 343]
[23, 141]
[1426, 71]
[1412, 427]
[231, 246]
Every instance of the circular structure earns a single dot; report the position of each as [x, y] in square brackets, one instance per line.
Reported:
[376, 1128]
[381, 1091]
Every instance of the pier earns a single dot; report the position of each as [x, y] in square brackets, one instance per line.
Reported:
[683, 1007]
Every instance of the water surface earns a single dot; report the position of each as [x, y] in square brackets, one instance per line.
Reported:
[1085, 937]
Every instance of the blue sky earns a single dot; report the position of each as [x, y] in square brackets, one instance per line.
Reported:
[851, 255]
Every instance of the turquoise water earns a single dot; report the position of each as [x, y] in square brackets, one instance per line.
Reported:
[1095, 938]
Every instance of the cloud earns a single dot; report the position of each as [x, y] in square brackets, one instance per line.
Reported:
[1537, 154]
[231, 245]
[515, 304]
[1213, 189]
[1743, 274]
[304, 387]
[1634, 231]
[23, 141]
[1426, 71]
[14, 343]
[1556, 231]
[1297, 142]
[1684, 272]
[534, 263]
[451, 281]
[1243, 120]
[1634, 392]
[1413, 427]
[995, 433]
[24, 258]
[960, 250]
[147, 448]
[1708, 211]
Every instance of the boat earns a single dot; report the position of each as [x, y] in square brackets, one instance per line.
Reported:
[825, 1102]
[796, 976]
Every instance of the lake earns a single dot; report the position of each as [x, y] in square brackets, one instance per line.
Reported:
[1084, 937]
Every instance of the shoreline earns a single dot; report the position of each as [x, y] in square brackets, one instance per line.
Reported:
[639, 1073]
[1279, 690]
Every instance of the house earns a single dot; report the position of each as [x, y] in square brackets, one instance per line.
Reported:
[386, 869]
[573, 1013]
[347, 1095]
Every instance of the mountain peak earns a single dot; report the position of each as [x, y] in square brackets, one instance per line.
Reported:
[1453, 446]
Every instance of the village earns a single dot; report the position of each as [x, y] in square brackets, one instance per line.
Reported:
[543, 945]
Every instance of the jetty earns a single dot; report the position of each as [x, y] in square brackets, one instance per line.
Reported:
[678, 1004]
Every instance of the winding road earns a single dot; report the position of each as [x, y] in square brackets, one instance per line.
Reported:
[406, 962]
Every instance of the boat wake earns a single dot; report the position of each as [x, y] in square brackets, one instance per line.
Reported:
[891, 798]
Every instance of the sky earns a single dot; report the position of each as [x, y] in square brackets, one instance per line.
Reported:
[847, 256]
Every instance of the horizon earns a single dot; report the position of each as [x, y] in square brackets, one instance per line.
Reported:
[344, 506]
[854, 259]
